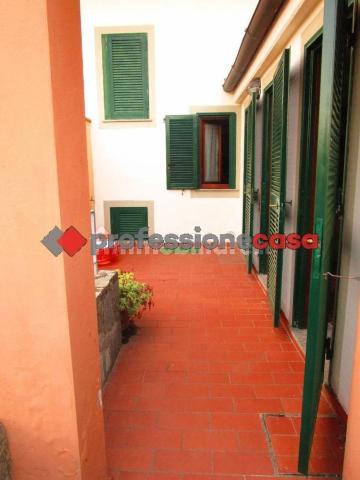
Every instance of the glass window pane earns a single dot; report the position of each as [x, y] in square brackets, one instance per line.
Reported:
[212, 138]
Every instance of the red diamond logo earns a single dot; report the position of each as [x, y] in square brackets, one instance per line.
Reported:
[71, 241]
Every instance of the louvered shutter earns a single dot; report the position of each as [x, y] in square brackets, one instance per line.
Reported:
[265, 172]
[126, 82]
[278, 181]
[331, 151]
[128, 220]
[249, 157]
[182, 152]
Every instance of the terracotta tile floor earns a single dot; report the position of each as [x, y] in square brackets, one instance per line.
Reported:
[208, 389]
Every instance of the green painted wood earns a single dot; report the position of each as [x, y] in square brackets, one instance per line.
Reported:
[265, 172]
[331, 151]
[128, 220]
[126, 77]
[232, 150]
[304, 224]
[278, 181]
[304, 217]
[182, 157]
[249, 174]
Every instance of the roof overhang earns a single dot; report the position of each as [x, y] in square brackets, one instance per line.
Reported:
[265, 13]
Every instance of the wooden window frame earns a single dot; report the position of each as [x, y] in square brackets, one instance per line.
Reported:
[203, 120]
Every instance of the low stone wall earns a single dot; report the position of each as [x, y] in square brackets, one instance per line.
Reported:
[4, 455]
[109, 320]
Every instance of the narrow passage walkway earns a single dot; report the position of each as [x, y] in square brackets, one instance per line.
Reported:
[208, 389]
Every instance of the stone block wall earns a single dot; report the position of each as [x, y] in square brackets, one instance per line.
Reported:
[109, 320]
[4, 455]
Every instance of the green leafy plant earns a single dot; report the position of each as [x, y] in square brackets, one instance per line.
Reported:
[135, 296]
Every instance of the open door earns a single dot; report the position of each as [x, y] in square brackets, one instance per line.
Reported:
[329, 195]
[278, 180]
[249, 171]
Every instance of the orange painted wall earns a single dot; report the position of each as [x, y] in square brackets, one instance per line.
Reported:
[49, 370]
[352, 448]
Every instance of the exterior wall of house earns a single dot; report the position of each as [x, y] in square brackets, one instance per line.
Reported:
[346, 323]
[188, 63]
[311, 24]
[50, 376]
[286, 34]
[352, 447]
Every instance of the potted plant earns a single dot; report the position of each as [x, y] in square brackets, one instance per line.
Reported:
[135, 297]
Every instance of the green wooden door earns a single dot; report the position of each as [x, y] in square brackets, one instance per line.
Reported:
[278, 181]
[331, 157]
[331, 153]
[249, 162]
[307, 177]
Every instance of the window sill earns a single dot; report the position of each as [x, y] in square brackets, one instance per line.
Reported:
[217, 190]
[126, 120]
[129, 123]
[215, 193]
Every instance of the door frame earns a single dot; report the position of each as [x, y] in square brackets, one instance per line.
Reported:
[304, 189]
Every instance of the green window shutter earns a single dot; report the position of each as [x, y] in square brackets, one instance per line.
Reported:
[278, 181]
[182, 152]
[128, 220]
[265, 172]
[232, 150]
[335, 85]
[126, 78]
[249, 162]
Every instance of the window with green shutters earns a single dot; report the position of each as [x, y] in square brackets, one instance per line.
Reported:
[128, 220]
[126, 76]
[201, 151]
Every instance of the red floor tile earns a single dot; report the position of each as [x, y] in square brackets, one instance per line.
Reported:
[129, 458]
[277, 425]
[210, 440]
[242, 463]
[187, 396]
[148, 438]
[241, 421]
[210, 405]
[183, 461]
[184, 420]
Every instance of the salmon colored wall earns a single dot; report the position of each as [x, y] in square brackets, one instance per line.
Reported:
[49, 370]
[352, 448]
[71, 148]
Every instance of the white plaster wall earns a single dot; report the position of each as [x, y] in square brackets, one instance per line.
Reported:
[342, 363]
[196, 42]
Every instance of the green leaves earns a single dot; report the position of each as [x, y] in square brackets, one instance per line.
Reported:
[135, 297]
